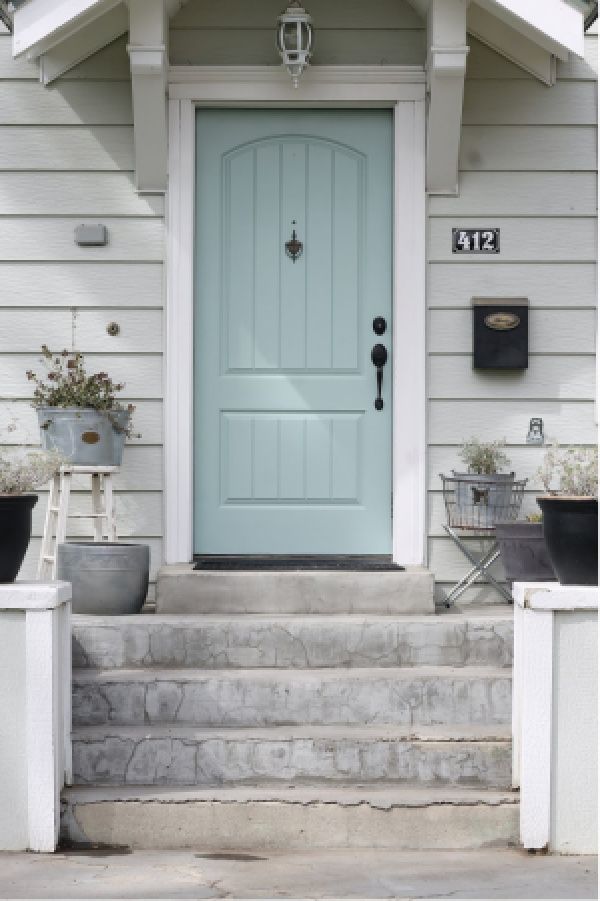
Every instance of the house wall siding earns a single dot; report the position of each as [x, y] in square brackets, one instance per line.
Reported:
[528, 166]
[66, 157]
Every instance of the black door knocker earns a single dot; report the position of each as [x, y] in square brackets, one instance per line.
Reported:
[294, 247]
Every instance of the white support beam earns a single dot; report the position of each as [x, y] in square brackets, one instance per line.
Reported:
[446, 67]
[148, 30]
[83, 43]
[511, 44]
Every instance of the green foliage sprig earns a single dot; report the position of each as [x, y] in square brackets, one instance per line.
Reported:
[67, 384]
[483, 457]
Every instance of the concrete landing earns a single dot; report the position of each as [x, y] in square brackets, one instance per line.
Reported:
[181, 589]
[360, 874]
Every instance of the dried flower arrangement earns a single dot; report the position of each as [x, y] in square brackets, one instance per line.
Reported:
[68, 385]
[575, 469]
[23, 470]
[482, 457]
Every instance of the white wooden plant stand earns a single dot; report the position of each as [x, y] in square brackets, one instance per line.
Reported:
[57, 512]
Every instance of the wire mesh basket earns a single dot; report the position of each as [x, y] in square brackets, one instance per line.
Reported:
[478, 502]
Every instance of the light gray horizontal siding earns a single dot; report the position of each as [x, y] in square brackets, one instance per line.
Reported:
[70, 149]
[66, 157]
[548, 284]
[66, 103]
[520, 194]
[82, 284]
[140, 373]
[75, 194]
[256, 47]
[529, 103]
[496, 417]
[356, 33]
[538, 239]
[25, 330]
[528, 164]
[506, 148]
[45, 239]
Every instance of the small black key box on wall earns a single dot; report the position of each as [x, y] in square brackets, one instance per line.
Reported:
[500, 332]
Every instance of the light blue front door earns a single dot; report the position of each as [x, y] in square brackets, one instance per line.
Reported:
[291, 456]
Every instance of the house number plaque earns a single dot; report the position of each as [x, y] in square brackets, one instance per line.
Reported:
[475, 240]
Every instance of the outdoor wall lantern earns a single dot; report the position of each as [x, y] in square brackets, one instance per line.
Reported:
[295, 39]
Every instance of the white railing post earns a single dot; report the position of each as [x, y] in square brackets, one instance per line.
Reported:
[39, 614]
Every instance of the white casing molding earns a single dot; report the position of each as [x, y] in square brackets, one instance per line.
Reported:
[83, 43]
[446, 68]
[409, 451]
[147, 48]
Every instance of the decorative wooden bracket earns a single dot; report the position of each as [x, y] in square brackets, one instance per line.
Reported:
[446, 67]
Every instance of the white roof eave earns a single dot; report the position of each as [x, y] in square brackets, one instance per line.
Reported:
[556, 25]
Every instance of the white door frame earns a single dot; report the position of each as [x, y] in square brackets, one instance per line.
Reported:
[399, 87]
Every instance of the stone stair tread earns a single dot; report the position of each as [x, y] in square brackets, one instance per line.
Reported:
[381, 796]
[455, 615]
[467, 734]
[265, 674]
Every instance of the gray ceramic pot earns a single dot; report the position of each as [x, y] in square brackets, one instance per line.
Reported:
[107, 577]
[85, 437]
[523, 552]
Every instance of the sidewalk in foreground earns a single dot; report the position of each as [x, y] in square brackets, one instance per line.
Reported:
[326, 874]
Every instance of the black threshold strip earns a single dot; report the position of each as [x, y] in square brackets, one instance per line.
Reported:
[283, 562]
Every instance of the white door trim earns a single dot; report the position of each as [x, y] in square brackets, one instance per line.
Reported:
[409, 358]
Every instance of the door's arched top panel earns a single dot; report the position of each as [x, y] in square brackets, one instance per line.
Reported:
[279, 140]
[281, 314]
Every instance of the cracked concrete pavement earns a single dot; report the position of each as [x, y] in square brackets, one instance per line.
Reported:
[119, 873]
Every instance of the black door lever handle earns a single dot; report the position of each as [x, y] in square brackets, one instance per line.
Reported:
[379, 357]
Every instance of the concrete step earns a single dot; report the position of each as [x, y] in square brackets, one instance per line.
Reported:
[476, 756]
[406, 696]
[275, 818]
[180, 589]
[481, 637]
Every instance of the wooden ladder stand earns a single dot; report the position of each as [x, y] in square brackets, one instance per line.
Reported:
[57, 512]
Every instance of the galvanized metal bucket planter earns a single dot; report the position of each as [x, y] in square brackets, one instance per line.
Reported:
[84, 436]
[107, 577]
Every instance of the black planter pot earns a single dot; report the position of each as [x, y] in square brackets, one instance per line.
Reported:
[571, 533]
[15, 532]
[523, 552]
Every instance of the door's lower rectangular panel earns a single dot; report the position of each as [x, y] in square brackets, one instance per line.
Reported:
[295, 458]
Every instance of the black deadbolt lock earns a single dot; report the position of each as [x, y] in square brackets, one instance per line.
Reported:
[379, 325]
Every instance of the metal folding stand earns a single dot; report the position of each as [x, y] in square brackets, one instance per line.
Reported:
[480, 566]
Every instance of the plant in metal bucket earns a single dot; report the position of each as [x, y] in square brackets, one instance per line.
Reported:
[79, 414]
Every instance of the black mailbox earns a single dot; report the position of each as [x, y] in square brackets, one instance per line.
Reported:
[500, 333]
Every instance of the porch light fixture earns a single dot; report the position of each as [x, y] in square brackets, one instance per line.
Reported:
[295, 39]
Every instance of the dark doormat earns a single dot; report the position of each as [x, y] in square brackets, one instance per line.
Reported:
[280, 562]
